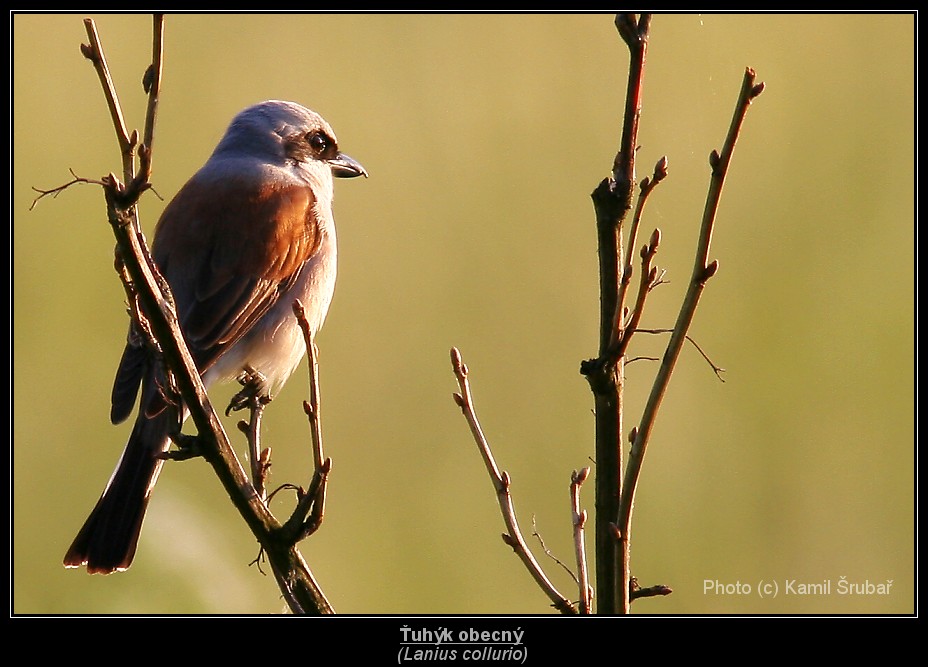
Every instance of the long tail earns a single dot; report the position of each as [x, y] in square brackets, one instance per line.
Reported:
[107, 541]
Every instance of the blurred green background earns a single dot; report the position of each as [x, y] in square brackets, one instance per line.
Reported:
[484, 136]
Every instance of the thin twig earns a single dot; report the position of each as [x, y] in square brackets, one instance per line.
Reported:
[501, 481]
[127, 142]
[54, 192]
[259, 460]
[648, 276]
[578, 519]
[702, 271]
[311, 503]
[549, 553]
[646, 188]
[636, 591]
[718, 370]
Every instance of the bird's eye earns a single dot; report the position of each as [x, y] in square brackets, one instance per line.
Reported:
[317, 141]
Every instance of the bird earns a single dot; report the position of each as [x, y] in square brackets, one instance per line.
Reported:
[249, 233]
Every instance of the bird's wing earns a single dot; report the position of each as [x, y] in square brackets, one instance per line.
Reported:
[228, 251]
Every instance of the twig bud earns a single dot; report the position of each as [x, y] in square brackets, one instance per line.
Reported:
[616, 533]
[655, 238]
[714, 159]
[148, 79]
[660, 170]
[504, 478]
[458, 399]
[757, 89]
[455, 358]
[580, 476]
[710, 270]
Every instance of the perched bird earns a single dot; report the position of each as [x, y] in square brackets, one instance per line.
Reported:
[248, 234]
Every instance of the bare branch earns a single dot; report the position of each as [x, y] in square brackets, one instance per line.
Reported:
[259, 460]
[648, 277]
[702, 271]
[578, 518]
[501, 482]
[606, 374]
[646, 188]
[54, 192]
[311, 503]
[156, 305]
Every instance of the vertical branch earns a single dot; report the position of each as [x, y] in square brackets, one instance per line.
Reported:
[612, 200]
[311, 502]
[578, 518]
[151, 81]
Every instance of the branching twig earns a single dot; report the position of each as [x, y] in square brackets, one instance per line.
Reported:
[54, 192]
[647, 279]
[646, 188]
[513, 536]
[260, 460]
[156, 305]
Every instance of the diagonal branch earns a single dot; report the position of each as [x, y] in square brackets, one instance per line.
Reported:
[702, 271]
[513, 536]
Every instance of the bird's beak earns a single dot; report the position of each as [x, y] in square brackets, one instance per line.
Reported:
[346, 167]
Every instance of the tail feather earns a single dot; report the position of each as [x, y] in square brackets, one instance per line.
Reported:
[107, 541]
